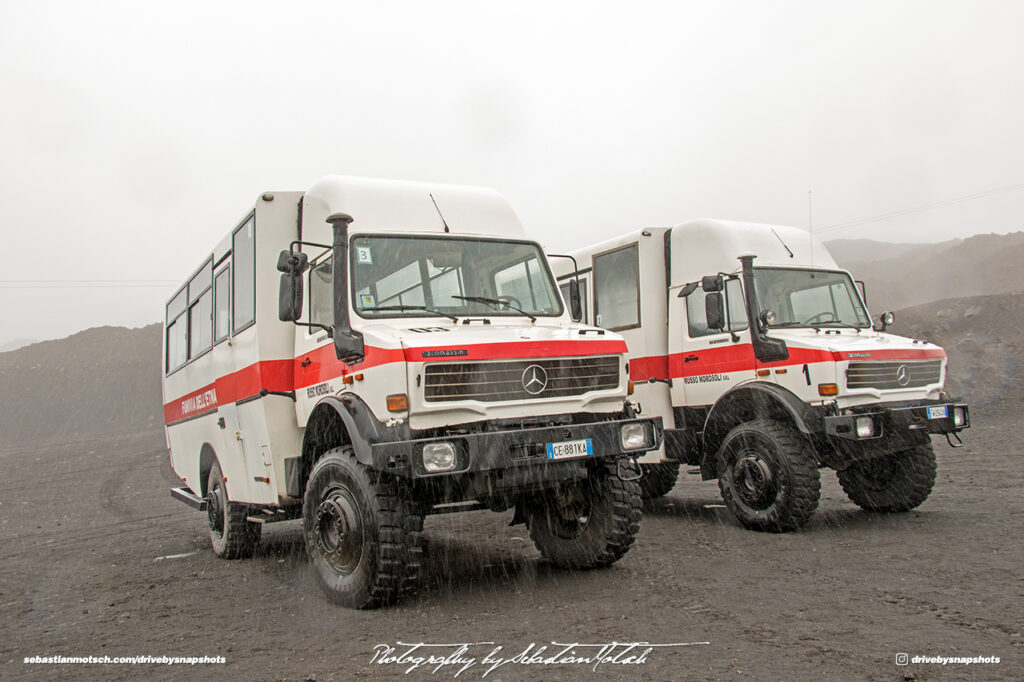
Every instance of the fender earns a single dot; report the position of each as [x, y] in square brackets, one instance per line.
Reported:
[362, 429]
[751, 401]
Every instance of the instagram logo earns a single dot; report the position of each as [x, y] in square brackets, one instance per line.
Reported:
[902, 659]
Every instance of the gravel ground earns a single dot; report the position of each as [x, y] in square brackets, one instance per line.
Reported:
[99, 560]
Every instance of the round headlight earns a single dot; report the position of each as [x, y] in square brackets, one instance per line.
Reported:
[888, 318]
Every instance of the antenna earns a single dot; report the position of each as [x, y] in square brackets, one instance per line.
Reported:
[810, 225]
[438, 208]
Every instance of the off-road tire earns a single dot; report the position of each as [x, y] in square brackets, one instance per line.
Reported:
[363, 535]
[658, 479]
[768, 476]
[599, 524]
[231, 535]
[894, 483]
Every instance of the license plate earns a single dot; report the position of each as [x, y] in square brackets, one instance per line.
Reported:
[940, 412]
[571, 448]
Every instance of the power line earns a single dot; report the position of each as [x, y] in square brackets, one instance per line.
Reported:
[922, 207]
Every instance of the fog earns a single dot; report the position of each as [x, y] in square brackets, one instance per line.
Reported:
[135, 135]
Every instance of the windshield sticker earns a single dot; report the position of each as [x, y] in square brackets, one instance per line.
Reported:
[367, 301]
[364, 256]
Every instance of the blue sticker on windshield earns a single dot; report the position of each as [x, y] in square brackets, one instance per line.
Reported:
[367, 301]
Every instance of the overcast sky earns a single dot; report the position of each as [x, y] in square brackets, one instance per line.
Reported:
[136, 134]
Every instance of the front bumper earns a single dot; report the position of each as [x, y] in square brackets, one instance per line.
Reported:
[929, 417]
[519, 449]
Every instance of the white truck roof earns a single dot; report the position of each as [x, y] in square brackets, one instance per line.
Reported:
[704, 246]
[396, 206]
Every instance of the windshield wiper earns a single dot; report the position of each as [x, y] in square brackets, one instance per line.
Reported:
[413, 307]
[494, 303]
[837, 323]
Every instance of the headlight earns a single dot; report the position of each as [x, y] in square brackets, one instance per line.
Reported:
[438, 457]
[865, 427]
[958, 416]
[634, 436]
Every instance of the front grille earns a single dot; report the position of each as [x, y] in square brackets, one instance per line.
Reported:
[491, 382]
[893, 375]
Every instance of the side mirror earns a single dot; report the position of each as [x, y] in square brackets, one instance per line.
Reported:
[575, 305]
[711, 283]
[289, 299]
[714, 311]
[863, 290]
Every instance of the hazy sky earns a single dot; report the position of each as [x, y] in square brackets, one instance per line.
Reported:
[135, 134]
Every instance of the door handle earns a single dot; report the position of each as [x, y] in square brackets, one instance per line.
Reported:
[690, 358]
[307, 362]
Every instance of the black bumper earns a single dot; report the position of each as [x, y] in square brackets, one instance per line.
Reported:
[932, 417]
[896, 428]
[514, 449]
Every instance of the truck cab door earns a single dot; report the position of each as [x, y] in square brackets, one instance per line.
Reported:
[706, 363]
[317, 368]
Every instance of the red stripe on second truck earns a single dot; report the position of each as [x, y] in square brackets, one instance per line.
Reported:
[740, 358]
[323, 365]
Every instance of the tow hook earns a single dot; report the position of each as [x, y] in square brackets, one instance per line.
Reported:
[624, 477]
[958, 444]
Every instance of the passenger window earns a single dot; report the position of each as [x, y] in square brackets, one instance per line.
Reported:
[617, 289]
[736, 312]
[222, 305]
[243, 249]
[564, 288]
[321, 296]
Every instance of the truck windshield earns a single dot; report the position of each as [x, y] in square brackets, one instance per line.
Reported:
[813, 298]
[401, 276]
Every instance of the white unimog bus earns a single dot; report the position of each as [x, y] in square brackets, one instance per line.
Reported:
[435, 370]
[759, 354]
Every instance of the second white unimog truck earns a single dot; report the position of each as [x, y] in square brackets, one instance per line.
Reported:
[368, 352]
[760, 355]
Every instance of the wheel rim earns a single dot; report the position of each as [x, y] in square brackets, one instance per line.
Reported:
[215, 509]
[571, 513]
[338, 531]
[753, 480]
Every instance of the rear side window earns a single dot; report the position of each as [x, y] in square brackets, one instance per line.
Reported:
[222, 305]
[617, 289]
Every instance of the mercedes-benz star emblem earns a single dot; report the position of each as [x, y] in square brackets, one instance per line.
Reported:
[902, 375]
[535, 379]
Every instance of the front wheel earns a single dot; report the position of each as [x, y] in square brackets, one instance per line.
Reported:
[589, 523]
[363, 536]
[232, 535]
[768, 476]
[894, 483]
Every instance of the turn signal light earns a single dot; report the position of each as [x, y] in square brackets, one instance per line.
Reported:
[828, 389]
[630, 392]
[399, 402]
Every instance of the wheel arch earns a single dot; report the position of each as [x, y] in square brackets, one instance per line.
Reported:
[748, 402]
[207, 456]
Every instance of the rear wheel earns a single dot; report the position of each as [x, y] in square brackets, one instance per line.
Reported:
[588, 523]
[768, 476]
[232, 536]
[895, 483]
[658, 479]
[363, 536]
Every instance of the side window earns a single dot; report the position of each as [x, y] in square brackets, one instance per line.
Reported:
[321, 296]
[564, 288]
[222, 305]
[200, 311]
[243, 248]
[177, 331]
[736, 308]
[736, 312]
[617, 289]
